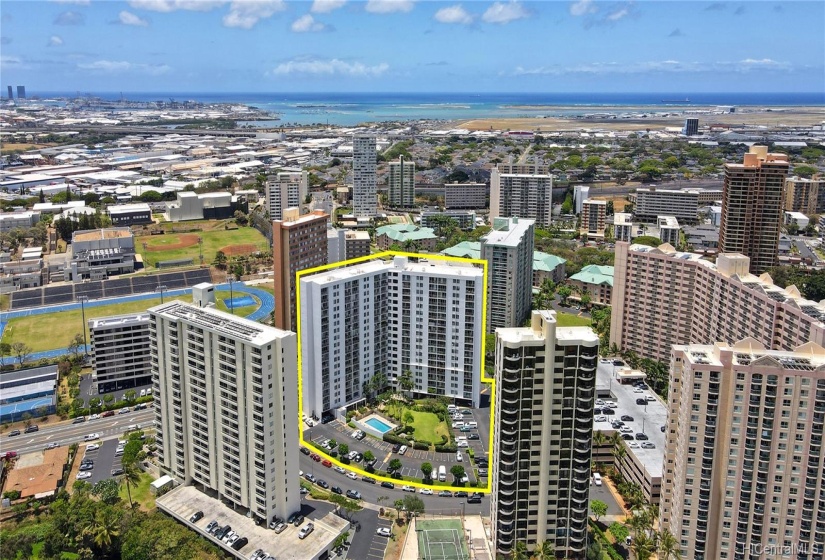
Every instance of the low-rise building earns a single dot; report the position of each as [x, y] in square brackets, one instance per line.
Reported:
[206, 206]
[344, 244]
[18, 220]
[465, 219]
[594, 280]
[547, 267]
[669, 230]
[31, 391]
[796, 218]
[98, 254]
[622, 226]
[130, 214]
[471, 196]
[406, 236]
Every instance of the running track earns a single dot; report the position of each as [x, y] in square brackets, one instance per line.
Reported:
[267, 307]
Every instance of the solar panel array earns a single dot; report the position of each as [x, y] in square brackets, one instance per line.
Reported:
[56, 295]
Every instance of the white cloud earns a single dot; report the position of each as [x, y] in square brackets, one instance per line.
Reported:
[764, 62]
[173, 5]
[75, 2]
[454, 14]
[326, 6]
[333, 67]
[389, 6]
[121, 66]
[582, 7]
[55, 41]
[246, 13]
[505, 13]
[618, 14]
[128, 18]
[12, 63]
[307, 23]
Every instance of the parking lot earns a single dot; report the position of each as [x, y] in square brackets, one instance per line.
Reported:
[413, 458]
[104, 460]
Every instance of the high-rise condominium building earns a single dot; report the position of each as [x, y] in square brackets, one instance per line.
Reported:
[364, 193]
[471, 196]
[226, 406]
[691, 127]
[298, 243]
[805, 195]
[401, 183]
[580, 194]
[391, 317]
[286, 190]
[682, 204]
[119, 357]
[521, 192]
[594, 213]
[744, 458]
[752, 207]
[545, 387]
[344, 244]
[508, 250]
[663, 297]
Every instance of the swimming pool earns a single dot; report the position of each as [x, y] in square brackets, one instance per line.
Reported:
[377, 424]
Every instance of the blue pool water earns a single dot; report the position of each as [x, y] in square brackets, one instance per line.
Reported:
[378, 425]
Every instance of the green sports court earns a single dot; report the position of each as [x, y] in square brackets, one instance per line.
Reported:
[441, 539]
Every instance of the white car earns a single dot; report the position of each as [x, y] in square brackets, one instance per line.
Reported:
[94, 417]
[462, 444]
[633, 444]
[407, 488]
[384, 532]
[84, 474]
[91, 437]
[597, 479]
[92, 447]
[426, 491]
[458, 424]
[352, 476]
[599, 402]
[341, 470]
[611, 404]
[638, 390]
[600, 419]
[626, 430]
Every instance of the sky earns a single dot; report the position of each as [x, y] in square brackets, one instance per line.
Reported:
[412, 46]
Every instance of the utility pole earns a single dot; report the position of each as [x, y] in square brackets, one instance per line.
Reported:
[83, 300]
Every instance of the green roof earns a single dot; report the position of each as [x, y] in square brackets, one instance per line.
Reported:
[595, 274]
[546, 261]
[465, 249]
[406, 232]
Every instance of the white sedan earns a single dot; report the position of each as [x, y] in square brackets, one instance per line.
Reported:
[84, 474]
[600, 419]
[384, 532]
[426, 491]
[352, 476]
[92, 447]
[408, 488]
[341, 470]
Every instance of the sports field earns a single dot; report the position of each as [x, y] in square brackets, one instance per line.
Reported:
[56, 330]
[174, 246]
[441, 539]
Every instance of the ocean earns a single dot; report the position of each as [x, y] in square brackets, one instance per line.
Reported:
[347, 109]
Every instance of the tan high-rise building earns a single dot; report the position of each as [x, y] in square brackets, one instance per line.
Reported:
[752, 206]
[594, 214]
[743, 477]
[546, 382]
[663, 297]
[805, 195]
[522, 191]
[401, 183]
[298, 243]
[287, 190]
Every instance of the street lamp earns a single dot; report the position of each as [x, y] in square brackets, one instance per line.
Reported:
[83, 300]
[160, 289]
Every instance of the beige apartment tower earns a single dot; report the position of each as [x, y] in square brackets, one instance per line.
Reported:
[545, 390]
[226, 406]
[663, 297]
[521, 191]
[744, 458]
[298, 243]
[401, 183]
[752, 207]
[508, 250]
[287, 190]
[593, 217]
[805, 195]
[364, 189]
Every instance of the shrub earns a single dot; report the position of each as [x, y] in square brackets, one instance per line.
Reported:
[446, 448]
[392, 438]
[444, 440]
[619, 531]
[425, 445]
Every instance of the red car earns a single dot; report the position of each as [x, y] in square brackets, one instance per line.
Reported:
[315, 457]
[107, 414]
[327, 463]
[8, 454]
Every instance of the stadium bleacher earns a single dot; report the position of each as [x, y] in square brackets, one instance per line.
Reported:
[55, 295]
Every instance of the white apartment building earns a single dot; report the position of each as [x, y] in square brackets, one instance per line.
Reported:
[580, 194]
[18, 220]
[118, 349]
[545, 390]
[287, 190]
[744, 459]
[683, 204]
[622, 226]
[508, 250]
[663, 297]
[391, 317]
[466, 196]
[669, 230]
[521, 195]
[401, 183]
[364, 191]
[226, 406]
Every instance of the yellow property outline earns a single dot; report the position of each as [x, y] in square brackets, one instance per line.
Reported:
[488, 380]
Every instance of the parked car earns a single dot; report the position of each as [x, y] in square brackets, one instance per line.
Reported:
[368, 479]
[384, 532]
[641, 437]
[280, 528]
[316, 457]
[83, 475]
[482, 472]
[352, 476]
[396, 447]
[124, 410]
[353, 494]
[627, 418]
[600, 418]
[641, 401]
[461, 494]
[426, 491]
[32, 428]
[648, 445]
[597, 479]
[361, 435]
[473, 436]
[117, 472]
[445, 494]
[322, 483]
[14, 433]
[108, 414]
[339, 469]
[79, 420]
[628, 437]
[386, 484]
[305, 531]
[608, 411]
[408, 488]
[296, 518]
[327, 463]
[240, 543]
[211, 525]
[196, 516]
[310, 477]
[305, 451]
[336, 490]
[92, 447]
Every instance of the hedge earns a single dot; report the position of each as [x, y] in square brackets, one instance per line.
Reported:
[424, 445]
[392, 438]
[446, 448]
[606, 545]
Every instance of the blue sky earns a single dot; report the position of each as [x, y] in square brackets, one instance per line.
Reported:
[409, 46]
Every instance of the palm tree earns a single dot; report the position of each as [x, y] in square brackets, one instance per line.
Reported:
[668, 546]
[544, 551]
[130, 479]
[520, 551]
[103, 530]
[642, 547]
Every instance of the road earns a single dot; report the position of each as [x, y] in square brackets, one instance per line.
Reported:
[66, 433]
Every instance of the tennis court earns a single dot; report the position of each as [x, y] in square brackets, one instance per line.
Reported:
[441, 539]
[11, 412]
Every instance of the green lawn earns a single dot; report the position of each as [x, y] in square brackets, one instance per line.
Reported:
[570, 320]
[141, 494]
[427, 425]
[212, 242]
[55, 330]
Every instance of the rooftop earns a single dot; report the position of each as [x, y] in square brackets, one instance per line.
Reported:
[109, 233]
[118, 320]
[508, 232]
[434, 267]
[595, 274]
[39, 473]
[405, 232]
